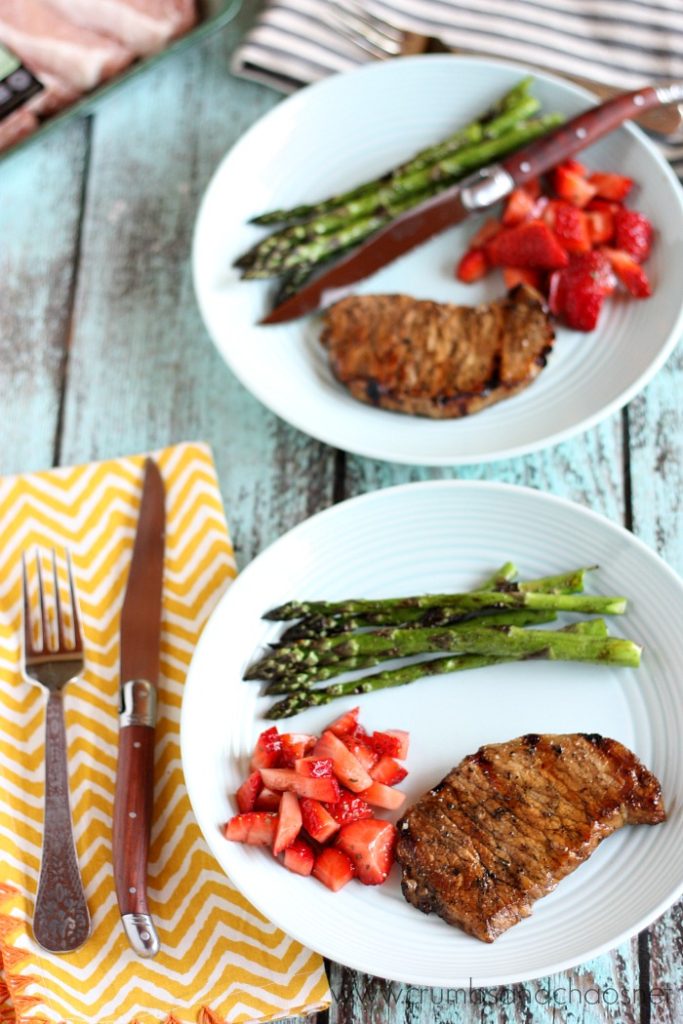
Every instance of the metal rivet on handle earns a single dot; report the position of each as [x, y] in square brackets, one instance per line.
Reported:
[525, 166]
[581, 133]
[638, 100]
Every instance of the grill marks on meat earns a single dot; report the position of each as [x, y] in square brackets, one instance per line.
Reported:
[436, 359]
[509, 822]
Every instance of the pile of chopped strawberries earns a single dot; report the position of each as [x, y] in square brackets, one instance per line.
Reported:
[572, 239]
[311, 800]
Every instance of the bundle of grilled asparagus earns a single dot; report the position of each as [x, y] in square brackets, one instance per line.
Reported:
[474, 629]
[311, 235]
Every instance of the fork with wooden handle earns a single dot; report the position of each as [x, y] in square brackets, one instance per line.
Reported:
[61, 921]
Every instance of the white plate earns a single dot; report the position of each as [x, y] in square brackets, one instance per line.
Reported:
[352, 127]
[432, 537]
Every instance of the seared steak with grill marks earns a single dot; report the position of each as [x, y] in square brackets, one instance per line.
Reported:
[509, 822]
[435, 359]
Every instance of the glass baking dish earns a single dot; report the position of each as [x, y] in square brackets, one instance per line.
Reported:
[213, 14]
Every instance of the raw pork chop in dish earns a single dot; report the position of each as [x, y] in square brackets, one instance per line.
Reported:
[144, 26]
[436, 359]
[509, 822]
[39, 36]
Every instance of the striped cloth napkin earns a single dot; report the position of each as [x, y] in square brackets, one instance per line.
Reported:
[220, 960]
[624, 43]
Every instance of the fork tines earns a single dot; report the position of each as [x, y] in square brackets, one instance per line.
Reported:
[370, 33]
[73, 644]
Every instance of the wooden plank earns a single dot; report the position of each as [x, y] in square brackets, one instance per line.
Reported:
[143, 372]
[41, 197]
[656, 461]
[599, 992]
[587, 470]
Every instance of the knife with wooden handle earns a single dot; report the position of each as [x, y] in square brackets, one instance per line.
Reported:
[139, 661]
[471, 195]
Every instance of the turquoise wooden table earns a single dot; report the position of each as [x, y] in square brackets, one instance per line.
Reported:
[103, 353]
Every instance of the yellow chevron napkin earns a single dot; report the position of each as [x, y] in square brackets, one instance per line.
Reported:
[221, 960]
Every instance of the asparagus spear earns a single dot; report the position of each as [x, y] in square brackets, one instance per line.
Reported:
[305, 676]
[501, 641]
[472, 132]
[474, 601]
[415, 179]
[364, 216]
[505, 574]
[319, 626]
[299, 701]
[315, 625]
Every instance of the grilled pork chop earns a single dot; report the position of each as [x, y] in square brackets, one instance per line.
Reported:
[435, 359]
[509, 822]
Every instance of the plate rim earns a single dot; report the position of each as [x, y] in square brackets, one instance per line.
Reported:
[368, 450]
[212, 837]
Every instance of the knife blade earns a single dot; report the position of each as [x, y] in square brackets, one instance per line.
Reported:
[473, 194]
[139, 675]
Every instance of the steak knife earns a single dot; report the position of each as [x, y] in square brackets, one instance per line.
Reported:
[139, 674]
[473, 194]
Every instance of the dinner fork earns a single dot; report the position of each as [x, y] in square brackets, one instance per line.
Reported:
[61, 921]
[380, 39]
[370, 33]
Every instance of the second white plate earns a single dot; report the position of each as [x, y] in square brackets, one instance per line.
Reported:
[352, 127]
[434, 537]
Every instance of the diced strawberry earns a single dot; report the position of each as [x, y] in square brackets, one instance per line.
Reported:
[317, 820]
[518, 207]
[485, 233]
[361, 750]
[294, 746]
[299, 857]
[288, 822]
[380, 795]
[599, 205]
[512, 276]
[592, 267]
[349, 807]
[576, 167]
[268, 750]
[600, 226]
[581, 309]
[633, 233]
[572, 186]
[578, 292]
[314, 767]
[473, 266]
[569, 225]
[611, 186]
[333, 868]
[267, 800]
[533, 187]
[528, 245]
[347, 767]
[630, 273]
[388, 771]
[386, 743]
[346, 723]
[370, 845]
[403, 737]
[287, 780]
[248, 791]
[256, 828]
